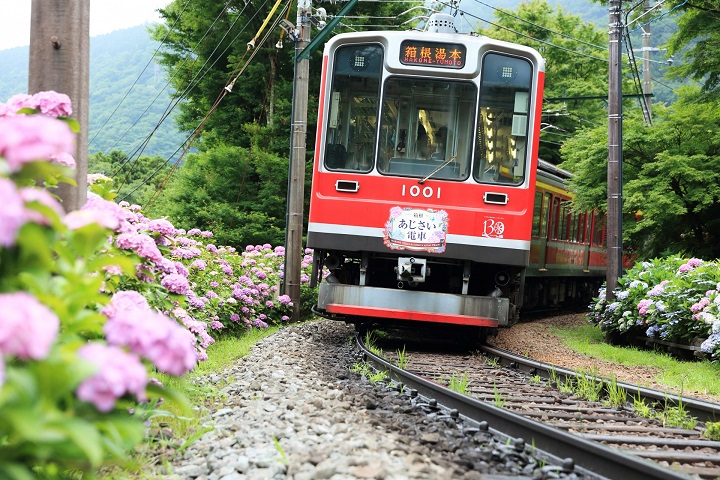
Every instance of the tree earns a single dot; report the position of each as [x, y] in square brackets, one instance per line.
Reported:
[671, 178]
[205, 48]
[699, 32]
[238, 194]
[576, 67]
[137, 180]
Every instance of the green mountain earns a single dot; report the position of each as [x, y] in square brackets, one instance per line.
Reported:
[128, 93]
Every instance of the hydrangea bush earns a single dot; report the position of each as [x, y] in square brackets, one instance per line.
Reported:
[672, 299]
[93, 302]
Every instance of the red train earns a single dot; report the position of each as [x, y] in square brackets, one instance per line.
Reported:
[426, 173]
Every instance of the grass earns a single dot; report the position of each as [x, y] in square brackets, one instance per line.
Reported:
[186, 422]
[696, 376]
[459, 383]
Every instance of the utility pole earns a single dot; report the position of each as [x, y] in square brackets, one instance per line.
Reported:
[60, 61]
[647, 76]
[296, 177]
[614, 168]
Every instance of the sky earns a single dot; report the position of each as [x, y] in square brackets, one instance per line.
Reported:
[105, 16]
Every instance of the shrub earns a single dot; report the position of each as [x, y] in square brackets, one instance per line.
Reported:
[673, 299]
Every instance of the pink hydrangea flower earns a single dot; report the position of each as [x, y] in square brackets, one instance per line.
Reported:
[161, 226]
[124, 301]
[153, 335]
[115, 213]
[94, 178]
[142, 244]
[643, 306]
[27, 138]
[53, 103]
[118, 373]
[20, 101]
[43, 197]
[28, 328]
[64, 159]
[80, 218]
[12, 214]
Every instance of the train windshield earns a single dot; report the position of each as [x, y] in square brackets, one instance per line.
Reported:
[501, 152]
[352, 119]
[426, 128]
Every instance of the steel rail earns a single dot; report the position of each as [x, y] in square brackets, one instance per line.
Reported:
[598, 460]
[700, 409]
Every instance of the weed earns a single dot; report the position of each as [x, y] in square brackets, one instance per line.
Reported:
[459, 383]
[371, 344]
[567, 386]
[499, 400]
[402, 358]
[589, 386]
[616, 396]
[676, 416]
[364, 369]
[493, 362]
[281, 451]
[641, 408]
[553, 377]
[535, 380]
[378, 376]
[712, 431]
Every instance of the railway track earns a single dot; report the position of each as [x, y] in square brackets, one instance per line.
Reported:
[543, 405]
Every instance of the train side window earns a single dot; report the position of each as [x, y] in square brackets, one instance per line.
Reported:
[598, 236]
[501, 153]
[555, 219]
[545, 216]
[537, 215]
[353, 105]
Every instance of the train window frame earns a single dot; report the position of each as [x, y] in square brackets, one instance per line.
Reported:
[420, 127]
[353, 108]
[502, 149]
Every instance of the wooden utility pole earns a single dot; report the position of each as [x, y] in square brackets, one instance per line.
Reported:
[614, 168]
[60, 61]
[296, 177]
[647, 49]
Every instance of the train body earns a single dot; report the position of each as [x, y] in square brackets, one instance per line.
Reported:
[428, 201]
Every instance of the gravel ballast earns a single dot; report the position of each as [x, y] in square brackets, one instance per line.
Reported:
[293, 409]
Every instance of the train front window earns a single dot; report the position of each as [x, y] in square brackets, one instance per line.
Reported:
[503, 117]
[426, 128]
[353, 102]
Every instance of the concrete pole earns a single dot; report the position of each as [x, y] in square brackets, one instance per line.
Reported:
[296, 180]
[60, 61]
[614, 168]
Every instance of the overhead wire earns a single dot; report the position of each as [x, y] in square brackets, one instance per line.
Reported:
[225, 91]
[194, 82]
[173, 102]
[169, 81]
[139, 76]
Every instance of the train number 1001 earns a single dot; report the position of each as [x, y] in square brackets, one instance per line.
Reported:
[416, 191]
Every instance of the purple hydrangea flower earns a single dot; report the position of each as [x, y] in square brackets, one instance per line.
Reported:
[176, 283]
[118, 373]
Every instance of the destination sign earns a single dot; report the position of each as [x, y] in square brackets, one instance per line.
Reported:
[432, 54]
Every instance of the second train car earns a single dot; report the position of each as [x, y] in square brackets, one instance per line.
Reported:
[426, 182]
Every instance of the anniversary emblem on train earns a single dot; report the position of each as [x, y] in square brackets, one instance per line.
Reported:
[429, 202]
